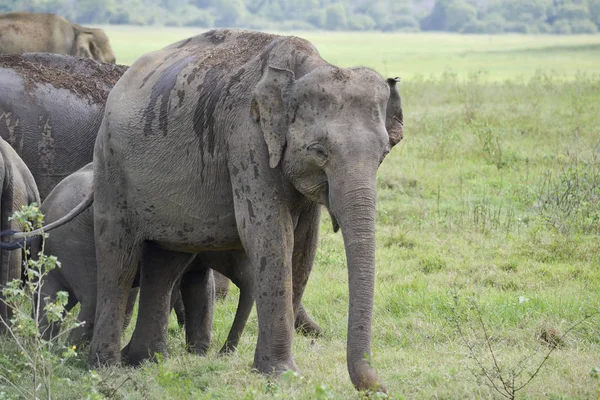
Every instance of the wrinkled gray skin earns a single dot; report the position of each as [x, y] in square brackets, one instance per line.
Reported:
[52, 126]
[232, 140]
[73, 245]
[25, 32]
[17, 189]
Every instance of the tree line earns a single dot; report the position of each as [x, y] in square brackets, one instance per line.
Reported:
[465, 16]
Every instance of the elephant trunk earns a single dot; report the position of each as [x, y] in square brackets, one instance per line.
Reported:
[353, 203]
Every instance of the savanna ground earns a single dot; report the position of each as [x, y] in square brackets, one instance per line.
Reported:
[489, 210]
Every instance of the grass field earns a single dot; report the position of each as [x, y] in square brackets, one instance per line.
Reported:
[412, 55]
[489, 210]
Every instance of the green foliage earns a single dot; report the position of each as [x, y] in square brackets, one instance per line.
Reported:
[466, 16]
[450, 15]
[230, 13]
[583, 26]
[38, 355]
[594, 7]
[335, 17]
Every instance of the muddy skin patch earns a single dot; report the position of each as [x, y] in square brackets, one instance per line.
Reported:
[84, 77]
[217, 37]
[162, 88]
[341, 75]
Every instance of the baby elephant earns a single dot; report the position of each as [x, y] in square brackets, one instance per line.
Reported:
[73, 245]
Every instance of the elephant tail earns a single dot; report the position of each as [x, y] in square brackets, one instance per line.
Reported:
[19, 237]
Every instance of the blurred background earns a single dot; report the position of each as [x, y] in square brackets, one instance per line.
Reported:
[464, 16]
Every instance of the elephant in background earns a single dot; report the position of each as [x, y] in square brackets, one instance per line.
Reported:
[18, 189]
[50, 111]
[25, 32]
[234, 140]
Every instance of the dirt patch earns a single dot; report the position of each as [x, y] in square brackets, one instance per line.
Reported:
[341, 75]
[83, 77]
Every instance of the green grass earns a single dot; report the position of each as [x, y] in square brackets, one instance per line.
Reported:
[492, 197]
[410, 55]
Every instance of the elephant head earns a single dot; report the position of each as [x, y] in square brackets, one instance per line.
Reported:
[329, 131]
[92, 43]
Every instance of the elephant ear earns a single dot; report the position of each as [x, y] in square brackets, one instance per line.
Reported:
[270, 106]
[394, 120]
[85, 46]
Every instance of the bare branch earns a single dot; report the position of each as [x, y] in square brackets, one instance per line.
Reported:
[555, 345]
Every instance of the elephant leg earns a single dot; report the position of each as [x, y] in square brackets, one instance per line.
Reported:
[306, 236]
[133, 294]
[159, 271]
[266, 230]
[51, 285]
[198, 295]
[87, 312]
[221, 285]
[305, 324]
[178, 305]
[177, 302]
[118, 256]
[239, 271]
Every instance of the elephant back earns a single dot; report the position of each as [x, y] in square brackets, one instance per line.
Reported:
[85, 77]
[50, 111]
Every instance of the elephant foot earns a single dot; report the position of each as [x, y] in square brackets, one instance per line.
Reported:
[103, 355]
[228, 348]
[198, 349]
[135, 357]
[364, 378]
[268, 367]
[306, 325]
[81, 335]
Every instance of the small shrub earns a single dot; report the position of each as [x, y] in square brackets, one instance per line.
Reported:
[489, 138]
[505, 378]
[38, 356]
[568, 200]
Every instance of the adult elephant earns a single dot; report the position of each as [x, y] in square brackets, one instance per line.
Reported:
[232, 140]
[50, 111]
[25, 32]
[17, 189]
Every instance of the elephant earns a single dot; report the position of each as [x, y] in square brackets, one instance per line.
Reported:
[18, 189]
[233, 140]
[50, 111]
[26, 32]
[73, 245]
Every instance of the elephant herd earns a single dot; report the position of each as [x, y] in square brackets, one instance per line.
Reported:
[214, 153]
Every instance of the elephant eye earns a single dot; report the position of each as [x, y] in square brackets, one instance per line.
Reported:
[318, 150]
